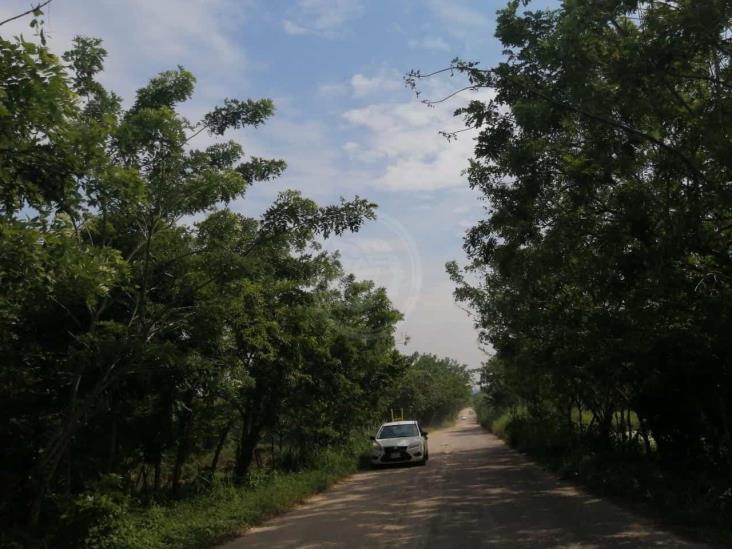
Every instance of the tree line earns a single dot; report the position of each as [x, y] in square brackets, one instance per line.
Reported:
[601, 274]
[433, 390]
[147, 328]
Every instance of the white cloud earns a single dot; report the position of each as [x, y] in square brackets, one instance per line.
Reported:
[334, 89]
[385, 81]
[457, 13]
[328, 18]
[406, 134]
[350, 147]
[145, 37]
[442, 327]
[293, 28]
[386, 252]
[380, 246]
[360, 85]
[429, 43]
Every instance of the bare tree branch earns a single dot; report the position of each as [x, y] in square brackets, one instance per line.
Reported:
[39, 6]
[430, 102]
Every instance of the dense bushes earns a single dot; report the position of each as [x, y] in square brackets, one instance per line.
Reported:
[114, 520]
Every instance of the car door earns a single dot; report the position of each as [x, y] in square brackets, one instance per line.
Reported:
[423, 434]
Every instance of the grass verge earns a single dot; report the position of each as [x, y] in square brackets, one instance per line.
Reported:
[113, 520]
[225, 511]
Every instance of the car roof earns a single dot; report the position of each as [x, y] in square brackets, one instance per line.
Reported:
[408, 422]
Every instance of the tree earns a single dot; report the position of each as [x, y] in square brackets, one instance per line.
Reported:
[110, 305]
[603, 258]
[433, 389]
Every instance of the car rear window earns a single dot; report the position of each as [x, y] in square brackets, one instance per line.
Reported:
[398, 431]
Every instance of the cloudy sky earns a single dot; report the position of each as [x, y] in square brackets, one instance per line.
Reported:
[345, 122]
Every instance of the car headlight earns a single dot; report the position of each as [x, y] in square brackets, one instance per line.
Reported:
[376, 447]
[414, 445]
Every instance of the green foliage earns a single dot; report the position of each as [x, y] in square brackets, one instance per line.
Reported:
[98, 521]
[601, 274]
[602, 267]
[165, 90]
[39, 144]
[86, 59]
[238, 114]
[433, 390]
[154, 337]
[223, 511]
[160, 352]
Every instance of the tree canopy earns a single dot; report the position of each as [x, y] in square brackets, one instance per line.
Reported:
[136, 339]
[603, 261]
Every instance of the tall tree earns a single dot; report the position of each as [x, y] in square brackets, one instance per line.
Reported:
[103, 286]
[603, 260]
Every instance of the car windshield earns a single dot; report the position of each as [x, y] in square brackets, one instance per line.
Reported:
[398, 431]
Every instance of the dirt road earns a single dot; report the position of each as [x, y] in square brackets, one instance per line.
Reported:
[475, 492]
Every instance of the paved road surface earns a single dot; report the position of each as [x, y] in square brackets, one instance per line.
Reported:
[475, 492]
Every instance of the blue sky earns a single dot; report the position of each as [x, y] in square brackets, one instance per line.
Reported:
[345, 123]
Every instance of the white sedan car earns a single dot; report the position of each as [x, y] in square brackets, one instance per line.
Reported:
[400, 442]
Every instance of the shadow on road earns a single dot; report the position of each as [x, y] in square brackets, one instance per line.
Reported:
[475, 492]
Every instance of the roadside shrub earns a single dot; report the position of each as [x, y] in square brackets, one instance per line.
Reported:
[110, 521]
[99, 521]
[487, 412]
[543, 436]
[498, 426]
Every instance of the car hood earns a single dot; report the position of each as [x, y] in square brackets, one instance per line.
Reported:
[398, 441]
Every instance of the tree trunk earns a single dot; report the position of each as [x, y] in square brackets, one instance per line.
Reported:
[272, 446]
[141, 482]
[220, 446]
[45, 470]
[644, 434]
[568, 417]
[727, 437]
[604, 427]
[158, 471]
[77, 415]
[250, 436]
[581, 421]
[185, 442]
[112, 459]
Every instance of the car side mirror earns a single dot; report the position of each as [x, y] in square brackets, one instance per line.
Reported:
[372, 437]
[424, 434]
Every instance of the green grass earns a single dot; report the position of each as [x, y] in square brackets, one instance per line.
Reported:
[113, 520]
[498, 425]
[228, 510]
